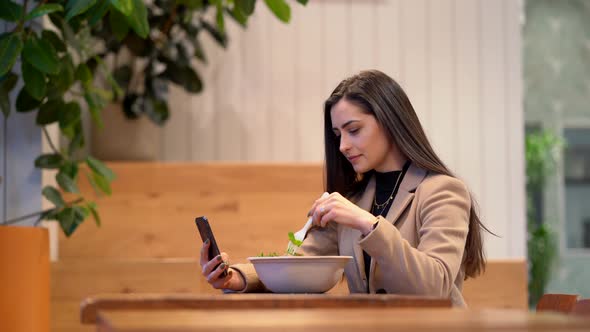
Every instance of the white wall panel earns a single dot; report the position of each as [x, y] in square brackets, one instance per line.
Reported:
[442, 80]
[494, 133]
[458, 60]
[309, 96]
[415, 56]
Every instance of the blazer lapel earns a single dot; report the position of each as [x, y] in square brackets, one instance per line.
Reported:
[404, 197]
[405, 194]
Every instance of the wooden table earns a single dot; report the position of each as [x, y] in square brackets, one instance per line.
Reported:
[334, 319]
[146, 302]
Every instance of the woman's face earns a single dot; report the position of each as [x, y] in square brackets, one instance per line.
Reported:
[362, 141]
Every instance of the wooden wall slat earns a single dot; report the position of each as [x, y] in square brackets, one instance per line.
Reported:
[467, 95]
[362, 44]
[229, 100]
[282, 131]
[493, 110]
[309, 94]
[415, 53]
[256, 53]
[515, 126]
[336, 56]
[442, 82]
[388, 36]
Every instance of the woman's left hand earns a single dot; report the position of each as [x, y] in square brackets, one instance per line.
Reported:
[336, 208]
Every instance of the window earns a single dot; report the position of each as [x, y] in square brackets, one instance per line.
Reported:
[577, 187]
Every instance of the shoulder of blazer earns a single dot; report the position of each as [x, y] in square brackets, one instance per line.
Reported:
[434, 182]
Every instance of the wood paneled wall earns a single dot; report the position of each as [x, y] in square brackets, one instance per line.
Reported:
[459, 61]
[148, 242]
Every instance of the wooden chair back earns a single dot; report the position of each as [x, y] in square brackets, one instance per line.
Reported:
[557, 302]
[582, 308]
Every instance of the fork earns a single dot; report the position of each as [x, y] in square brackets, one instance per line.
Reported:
[300, 234]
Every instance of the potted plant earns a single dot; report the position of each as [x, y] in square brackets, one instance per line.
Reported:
[144, 68]
[53, 65]
[59, 68]
[542, 152]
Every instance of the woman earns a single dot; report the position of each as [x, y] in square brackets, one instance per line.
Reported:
[410, 225]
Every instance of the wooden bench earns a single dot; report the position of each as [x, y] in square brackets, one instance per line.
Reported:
[148, 242]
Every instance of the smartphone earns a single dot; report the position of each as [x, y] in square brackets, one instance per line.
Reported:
[207, 233]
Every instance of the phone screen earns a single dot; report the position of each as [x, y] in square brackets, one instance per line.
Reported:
[206, 233]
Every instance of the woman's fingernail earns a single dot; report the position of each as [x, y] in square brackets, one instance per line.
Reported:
[206, 241]
[222, 266]
[219, 258]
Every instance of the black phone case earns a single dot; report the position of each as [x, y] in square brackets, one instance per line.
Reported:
[206, 233]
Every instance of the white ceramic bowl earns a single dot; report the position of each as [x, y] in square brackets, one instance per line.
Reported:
[300, 274]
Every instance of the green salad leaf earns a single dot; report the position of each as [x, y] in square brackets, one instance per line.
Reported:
[294, 240]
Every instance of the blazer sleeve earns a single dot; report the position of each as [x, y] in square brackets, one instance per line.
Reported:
[319, 242]
[443, 222]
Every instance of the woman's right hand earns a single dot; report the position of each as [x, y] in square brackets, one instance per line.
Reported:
[232, 281]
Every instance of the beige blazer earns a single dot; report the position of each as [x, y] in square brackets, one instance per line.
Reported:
[417, 249]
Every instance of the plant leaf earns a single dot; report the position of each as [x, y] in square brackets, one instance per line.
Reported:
[78, 140]
[10, 47]
[95, 105]
[25, 102]
[54, 39]
[138, 19]
[69, 117]
[122, 75]
[238, 16]
[49, 112]
[119, 25]
[66, 182]
[44, 9]
[183, 76]
[50, 215]
[97, 12]
[41, 54]
[70, 218]
[10, 11]
[102, 183]
[77, 7]
[125, 7]
[220, 38]
[53, 195]
[191, 4]
[67, 73]
[49, 161]
[70, 168]
[7, 83]
[34, 81]
[92, 207]
[280, 8]
[303, 2]
[100, 168]
[246, 6]
[219, 17]
[156, 110]
[83, 74]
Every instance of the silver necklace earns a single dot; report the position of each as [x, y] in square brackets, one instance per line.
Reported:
[383, 205]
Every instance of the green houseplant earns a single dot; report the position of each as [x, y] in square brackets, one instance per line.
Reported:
[144, 67]
[60, 67]
[542, 152]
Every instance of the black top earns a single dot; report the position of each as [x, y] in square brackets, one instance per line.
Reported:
[385, 186]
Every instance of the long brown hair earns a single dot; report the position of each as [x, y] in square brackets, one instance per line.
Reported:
[379, 95]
